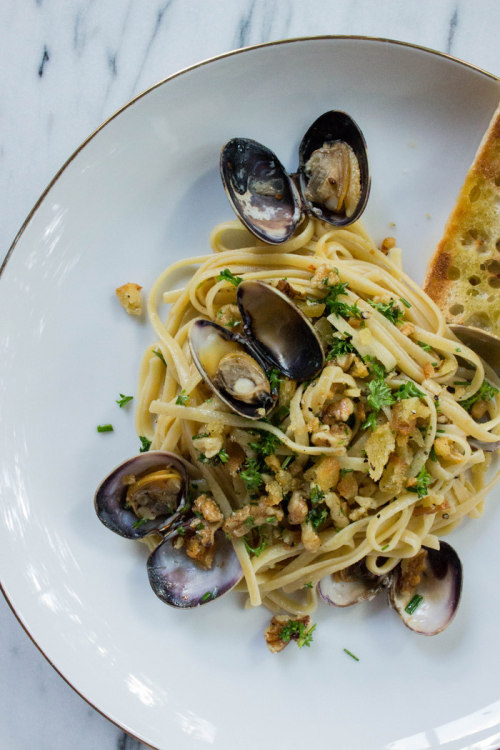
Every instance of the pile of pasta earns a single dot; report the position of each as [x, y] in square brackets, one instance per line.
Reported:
[381, 453]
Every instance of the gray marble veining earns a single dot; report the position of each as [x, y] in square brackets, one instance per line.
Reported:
[67, 66]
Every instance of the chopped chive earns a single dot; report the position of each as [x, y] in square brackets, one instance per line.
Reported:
[405, 302]
[425, 347]
[351, 654]
[287, 461]
[458, 349]
[199, 437]
[386, 546]
[104, 428]
[308, 585]
[413, 604]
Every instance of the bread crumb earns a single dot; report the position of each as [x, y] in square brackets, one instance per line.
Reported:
[130, 298]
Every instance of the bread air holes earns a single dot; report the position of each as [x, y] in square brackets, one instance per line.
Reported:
[474, 193]
[475, 238]
[456, 309]
[478, 320]
[474, 280]
[494, 281]
[493, 267]
[453, 273]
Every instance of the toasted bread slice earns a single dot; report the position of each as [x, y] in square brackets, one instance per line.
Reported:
[463, 277]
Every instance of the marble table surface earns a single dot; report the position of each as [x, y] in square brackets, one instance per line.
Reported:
[66, 66]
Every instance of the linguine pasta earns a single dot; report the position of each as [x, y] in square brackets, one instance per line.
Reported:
[381, 453]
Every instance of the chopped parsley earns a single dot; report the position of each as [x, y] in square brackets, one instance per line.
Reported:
[251, 474]
[209, 595]
[405, 302]
[226, 275]
[145, 444]
[232, 323]
[295, 630]
[182, 398]
[308, 585]
[414, 603]
[336, 307]
[371, 421]
[485, 392]
[425, 347]
[221, 457]
[339, 347]
[104, 428]
[423, 481]
[287, 460]
[139, 522]
[201, 436]
[123, 400]
[389, 310]
[267, 443]
[316, 495]
[408, 390]
[317, 516]
[275, 377]
[379, 394]
[159, 354]
[344, 472]
[260, 545]
[349, 653]
[432, 454]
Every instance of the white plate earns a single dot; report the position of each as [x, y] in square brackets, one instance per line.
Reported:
[141, 193]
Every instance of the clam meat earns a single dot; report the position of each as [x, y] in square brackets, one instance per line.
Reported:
[276, 334]
[143, 494]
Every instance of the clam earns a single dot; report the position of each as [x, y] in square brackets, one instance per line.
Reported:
[148, 493]
[143, 494]
[426, 608]
[332, 182]
[356, 584]
[431, 605]
[276, 335]
[179, 581]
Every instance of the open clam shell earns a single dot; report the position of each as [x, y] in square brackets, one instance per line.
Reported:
[260, 190]
[334, 127]
[160, 478]
[360, 586]
[279, 331]
[437, 595]
[232, 368]
[177, 580]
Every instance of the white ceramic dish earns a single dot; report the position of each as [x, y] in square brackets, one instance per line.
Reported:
[141, 193]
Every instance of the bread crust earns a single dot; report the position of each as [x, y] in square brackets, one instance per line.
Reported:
[463, 276]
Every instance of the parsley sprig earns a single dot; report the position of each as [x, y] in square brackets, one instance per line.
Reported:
[336, 306]
[389, 310]
[296, 630]
[226, 275]
[485, 392]
[423, 481]
[339, 347]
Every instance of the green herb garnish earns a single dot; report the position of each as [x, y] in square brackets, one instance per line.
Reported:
[139, 522]
[343, 472]
[182, 398]
[251, 474]
[123, 400]
[317, 516]
[202, 435]
[486, 392]
[339, 347]
[297, 631]
[349, 653]
[414, 603]
[275, 377]
[389, 310]
[159, 354]
[423, 481]
[407, 390]
[104, 428]
[405, 302]
[267, 443]
[316, 495]
[425, 347]
[226, 275]
[209, 595]
[145, 444]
